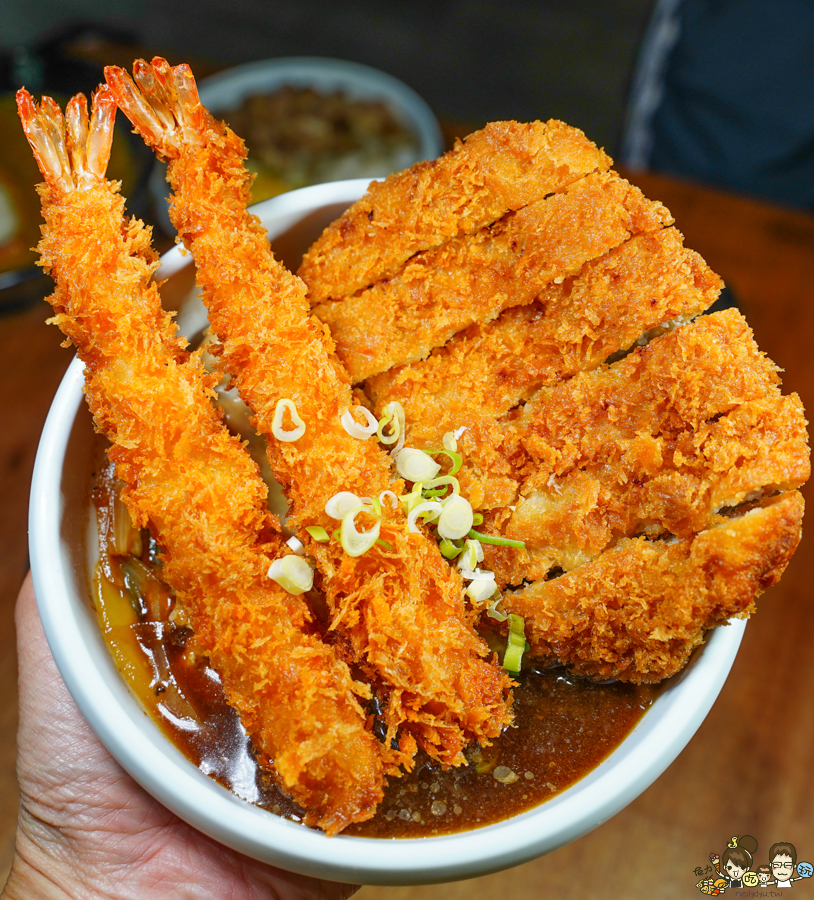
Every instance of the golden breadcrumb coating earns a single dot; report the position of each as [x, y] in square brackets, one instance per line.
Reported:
[639, 610]
[204, 500]
[485, 370]
[504, 166]
[399, 607]
[657, 442]
[473, 278]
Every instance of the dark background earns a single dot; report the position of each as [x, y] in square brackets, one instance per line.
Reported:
[472, 60]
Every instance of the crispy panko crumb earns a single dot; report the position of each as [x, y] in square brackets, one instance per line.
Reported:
[204, 500]
[638, 611]
[504, 166]
[475, 277]
[658, 442]
[639, 287]
[398, 607]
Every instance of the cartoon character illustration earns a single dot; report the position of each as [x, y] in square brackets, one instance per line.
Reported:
[737, 860]
[764, 873]
[783, 861]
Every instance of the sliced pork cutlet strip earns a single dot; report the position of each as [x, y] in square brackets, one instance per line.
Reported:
[658, 442]
[474, 278]
[503, 167]
[639, 610]
[643, 285]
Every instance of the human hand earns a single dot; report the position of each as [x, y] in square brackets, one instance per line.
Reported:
[86, 829]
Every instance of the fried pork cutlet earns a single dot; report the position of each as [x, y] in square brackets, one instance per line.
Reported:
[503, 167]
[659, 442]
[639, 610]
[485, 370]
[398, 606]
[475, 277]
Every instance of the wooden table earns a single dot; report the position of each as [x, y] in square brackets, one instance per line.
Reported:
[748, 769]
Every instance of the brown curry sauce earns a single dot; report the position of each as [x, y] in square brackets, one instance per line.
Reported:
[564, 725]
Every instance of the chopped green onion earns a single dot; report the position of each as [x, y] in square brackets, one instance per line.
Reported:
[277, 422]
[429, 509]
[342, 503]
[449, 441]
[456, 519]
[392, 415]
[412, 499]
[354, 429]
[449, 549]
[499, 541]
[494, 611]
[457, 459]
[318, 533]
[481, 589]
[476, 574]
[354, 542]
[436, 487]
[513, 657]
[472, 555]
[477, 519]
[386, 544]
[416, 465]
[292, 573]
[395, 500]
[296, 545]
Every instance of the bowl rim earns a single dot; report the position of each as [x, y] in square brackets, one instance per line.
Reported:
[119, 720]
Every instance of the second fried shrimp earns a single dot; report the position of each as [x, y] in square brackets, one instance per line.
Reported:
[398, 606]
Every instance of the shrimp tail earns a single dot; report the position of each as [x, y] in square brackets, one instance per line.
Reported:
[162, 103]
[72, 152]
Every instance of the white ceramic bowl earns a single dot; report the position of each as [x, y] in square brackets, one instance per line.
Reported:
[59, 539]
[228, 89]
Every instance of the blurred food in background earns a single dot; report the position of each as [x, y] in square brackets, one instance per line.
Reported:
[298, 136]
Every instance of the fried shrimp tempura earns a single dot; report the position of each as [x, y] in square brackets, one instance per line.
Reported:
[473, 278]
[658, 442]
[639, 610]
[399, 606]
[503, 167]
[191, 481]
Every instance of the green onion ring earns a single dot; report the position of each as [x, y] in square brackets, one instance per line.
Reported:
[457, 459]
[449, 549]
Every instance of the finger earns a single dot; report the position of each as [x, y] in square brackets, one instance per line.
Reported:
[44, 699]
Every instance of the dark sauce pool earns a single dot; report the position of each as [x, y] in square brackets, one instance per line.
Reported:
[564, 725]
